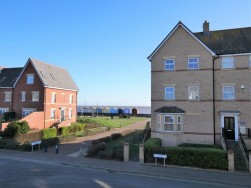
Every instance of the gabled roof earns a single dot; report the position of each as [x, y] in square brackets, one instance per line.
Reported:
[53, 76]
[170, 110]
[180, 24]
[231, 41]
[9, 76]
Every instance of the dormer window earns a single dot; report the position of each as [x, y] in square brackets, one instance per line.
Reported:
[30, 79]
[227, 62]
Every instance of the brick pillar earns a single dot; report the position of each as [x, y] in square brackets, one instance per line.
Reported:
[250, 162]
[230, 161]
[126, 152]
[141, 153]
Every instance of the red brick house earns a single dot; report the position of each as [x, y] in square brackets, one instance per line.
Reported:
[40, 93]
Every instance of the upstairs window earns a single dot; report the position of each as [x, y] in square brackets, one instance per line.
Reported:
[227, 63]
[193, 92]
[169, 93]
[30, 79]
[169, 64]
[53, 98]
[23, 96]
[7, 96]
[35, 96]
[193, 63]
[228, 93]
[70, 99]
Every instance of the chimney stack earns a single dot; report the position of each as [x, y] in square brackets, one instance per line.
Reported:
[206, 27]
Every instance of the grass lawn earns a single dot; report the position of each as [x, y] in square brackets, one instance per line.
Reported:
[106, 121]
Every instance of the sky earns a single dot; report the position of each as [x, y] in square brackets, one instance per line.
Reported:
[104, 44]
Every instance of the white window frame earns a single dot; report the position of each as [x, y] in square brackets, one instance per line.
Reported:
[7, 96]
[223, 92]
[169, 123]
[193, 94]
[70, 113]
[27, 111]
[70, 98]
[53, 113]
[30, 78]
[227, 62]
[193, 65]
[179, 123]
[250, 61]
[3, 110]
[169, 63]
[53, 98]
[168, 93]
[23, 96]
[35, 96]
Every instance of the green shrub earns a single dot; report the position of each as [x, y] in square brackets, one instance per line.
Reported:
[104, 139]
[115, 136]
[86, 121]
[104, 155]
[11, 130]
[81, 133]
[11, 144]
[185, 156]
[153, 142]
[23, 127]
[63, 131]
[93, 150]
[96, 130]
[49, 133]
[75, 127]
[8, 116]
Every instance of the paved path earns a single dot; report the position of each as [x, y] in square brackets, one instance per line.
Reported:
[73, 148]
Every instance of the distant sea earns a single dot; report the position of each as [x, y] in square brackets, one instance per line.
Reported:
[140, 109]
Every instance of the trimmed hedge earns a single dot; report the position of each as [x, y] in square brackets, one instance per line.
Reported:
[153, 142]
[49, 133]
[199, 145]
[29, 137]
[188, 156]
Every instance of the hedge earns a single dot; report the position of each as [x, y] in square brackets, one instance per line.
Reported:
[153, 142]
[93, 150]
[188, 156]
[49, 133]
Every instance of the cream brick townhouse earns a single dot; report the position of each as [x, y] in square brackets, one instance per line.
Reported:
[201, 83]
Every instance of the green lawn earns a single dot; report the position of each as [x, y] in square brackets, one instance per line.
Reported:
[108, 122]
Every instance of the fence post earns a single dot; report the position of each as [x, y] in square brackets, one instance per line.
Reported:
[230, 161]
[249, 162]
[126, 152]
[141, 153]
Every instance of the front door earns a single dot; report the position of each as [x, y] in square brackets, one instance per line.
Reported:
[62, 115]
[229, 128]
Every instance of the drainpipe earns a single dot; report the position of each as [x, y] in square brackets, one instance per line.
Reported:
[214, 58]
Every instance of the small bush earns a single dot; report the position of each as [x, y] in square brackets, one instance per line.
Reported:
[11, 130]
[49, 133]
[63, 131]
[96, 130]
[199, 146]
[93, 150]
[23, 127]
[153, 142]
[11, 144]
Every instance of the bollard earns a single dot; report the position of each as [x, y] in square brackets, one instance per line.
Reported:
[230, 161]
[141, 153]
[126, 152]
[57, 145]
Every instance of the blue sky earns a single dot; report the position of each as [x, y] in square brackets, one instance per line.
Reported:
[104, 44]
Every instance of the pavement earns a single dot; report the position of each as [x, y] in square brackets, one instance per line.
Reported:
[151, 170]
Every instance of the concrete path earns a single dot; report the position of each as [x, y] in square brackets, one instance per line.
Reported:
[79, 146]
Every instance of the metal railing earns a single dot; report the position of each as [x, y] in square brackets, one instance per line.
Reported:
[244, 145]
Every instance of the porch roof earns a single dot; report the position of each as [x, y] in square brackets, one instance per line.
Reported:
[170, 110]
